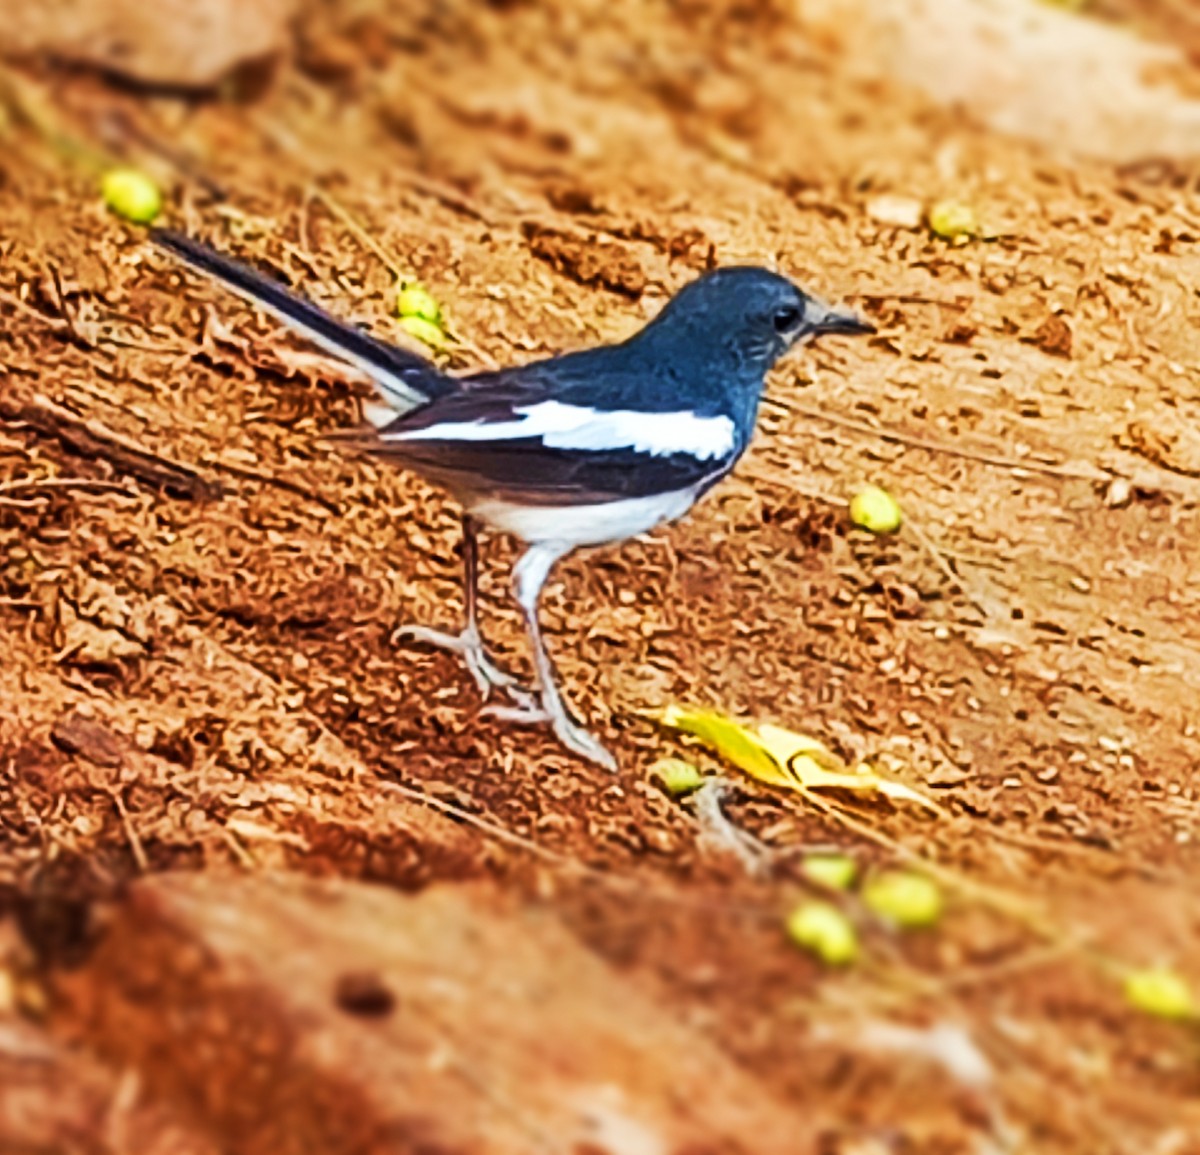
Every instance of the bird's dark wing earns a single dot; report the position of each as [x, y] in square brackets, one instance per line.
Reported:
[511, 435]
[525, 472]
[404, 379]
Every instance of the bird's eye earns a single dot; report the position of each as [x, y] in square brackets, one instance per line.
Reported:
[786, 319]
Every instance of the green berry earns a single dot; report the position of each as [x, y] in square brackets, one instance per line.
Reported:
[953, 221]
[905, 899]
[835, 871]
[425, 331]
[678, 777]
[1161, 993]
[414, 300]
[132, 195]
[874, 509]
[822, 930]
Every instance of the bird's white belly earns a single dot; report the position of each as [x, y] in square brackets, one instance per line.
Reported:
[581, 525]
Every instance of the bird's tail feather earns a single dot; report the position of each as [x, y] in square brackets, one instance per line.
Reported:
[404, 380]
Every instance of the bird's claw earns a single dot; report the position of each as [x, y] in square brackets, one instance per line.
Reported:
[572, 735]
[468, 645]
[527, 713]
[526, 709]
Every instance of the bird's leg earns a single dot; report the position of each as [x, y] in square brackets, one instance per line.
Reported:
[530, 575]
[469, 643]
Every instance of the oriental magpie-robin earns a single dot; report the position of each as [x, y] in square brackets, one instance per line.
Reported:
[583, 449]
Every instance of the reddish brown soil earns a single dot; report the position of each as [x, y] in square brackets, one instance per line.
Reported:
[552, 198]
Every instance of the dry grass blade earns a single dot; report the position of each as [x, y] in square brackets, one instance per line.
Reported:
[931, 445]
[274, 480]
[94, 440]
[360, 234]
[45, 485]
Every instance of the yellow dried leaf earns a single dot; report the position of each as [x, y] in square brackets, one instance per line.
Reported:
[813, 766]
[787, 747]
[734, 743]
[781, 757]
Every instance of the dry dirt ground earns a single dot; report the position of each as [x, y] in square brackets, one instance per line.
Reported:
[197, 596]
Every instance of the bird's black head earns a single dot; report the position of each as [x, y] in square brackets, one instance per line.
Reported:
[754, 313]
[716, 339]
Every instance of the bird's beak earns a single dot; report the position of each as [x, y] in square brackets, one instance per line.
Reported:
[841, 321]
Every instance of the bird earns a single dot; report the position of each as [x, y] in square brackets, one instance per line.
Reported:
[580, 450]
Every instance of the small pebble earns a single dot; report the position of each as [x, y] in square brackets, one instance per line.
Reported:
[900, 212]
[365, 994]
[1119, 492]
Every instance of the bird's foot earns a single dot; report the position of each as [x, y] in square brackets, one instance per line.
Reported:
[469, 646]
[572, 735]
[584, 743]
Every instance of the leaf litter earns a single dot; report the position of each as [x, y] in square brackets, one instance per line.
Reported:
[786, 759]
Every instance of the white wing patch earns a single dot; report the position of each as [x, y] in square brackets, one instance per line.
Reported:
[576, 427]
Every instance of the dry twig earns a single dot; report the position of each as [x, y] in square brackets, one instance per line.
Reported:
[131, 834]
[1078, 472]
[96, 441]
[40, 485]
[284, 483]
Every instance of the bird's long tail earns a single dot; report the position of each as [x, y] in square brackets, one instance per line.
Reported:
[404, 380]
